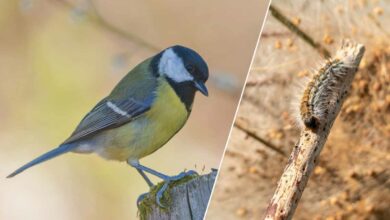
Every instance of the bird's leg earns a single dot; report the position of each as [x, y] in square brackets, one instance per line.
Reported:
[146, 178]
[148, 181]
[167, 179]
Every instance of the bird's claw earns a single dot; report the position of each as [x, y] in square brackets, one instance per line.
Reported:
[141, 198]
[167, 181]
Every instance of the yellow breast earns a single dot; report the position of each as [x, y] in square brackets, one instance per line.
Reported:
[150, 131]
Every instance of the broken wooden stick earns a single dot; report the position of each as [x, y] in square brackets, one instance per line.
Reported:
[321, 102]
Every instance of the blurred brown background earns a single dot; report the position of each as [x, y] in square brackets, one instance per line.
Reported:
[58, 58]
[352, 179]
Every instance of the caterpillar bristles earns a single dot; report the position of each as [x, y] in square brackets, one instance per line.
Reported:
[323, 90]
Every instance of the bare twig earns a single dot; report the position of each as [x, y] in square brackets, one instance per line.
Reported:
[275, 34]
[295, 29]
[95, 17]
[304, 156]
[238, 124]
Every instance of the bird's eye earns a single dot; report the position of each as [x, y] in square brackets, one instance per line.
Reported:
[190, 69]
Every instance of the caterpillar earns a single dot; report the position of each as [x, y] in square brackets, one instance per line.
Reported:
[324, 89]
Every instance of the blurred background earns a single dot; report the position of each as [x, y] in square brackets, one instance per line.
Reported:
[352, 178]
[58, 58]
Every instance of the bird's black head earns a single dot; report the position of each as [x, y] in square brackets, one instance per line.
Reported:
[184, 69]
[194, 64]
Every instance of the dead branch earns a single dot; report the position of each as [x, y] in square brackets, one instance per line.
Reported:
[304, 155]
[95, 17]
[238, 124]
[295, 29]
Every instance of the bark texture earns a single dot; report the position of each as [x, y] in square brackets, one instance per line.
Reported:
[305, 153]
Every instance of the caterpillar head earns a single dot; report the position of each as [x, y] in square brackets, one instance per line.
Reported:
[311, 122]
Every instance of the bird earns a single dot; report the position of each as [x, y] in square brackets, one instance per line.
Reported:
[141, 114]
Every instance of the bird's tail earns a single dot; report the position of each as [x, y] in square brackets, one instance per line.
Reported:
[44, 157]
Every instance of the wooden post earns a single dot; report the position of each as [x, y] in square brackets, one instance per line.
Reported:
[304, 155]
[187, 200]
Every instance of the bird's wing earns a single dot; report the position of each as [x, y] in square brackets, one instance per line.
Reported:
[132, 97]
[108, 114]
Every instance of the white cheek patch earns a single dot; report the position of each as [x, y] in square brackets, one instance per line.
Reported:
[172, 66]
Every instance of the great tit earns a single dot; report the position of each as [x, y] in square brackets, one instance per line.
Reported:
[142, 113]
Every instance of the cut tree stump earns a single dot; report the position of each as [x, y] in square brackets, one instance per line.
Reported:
[185, 199]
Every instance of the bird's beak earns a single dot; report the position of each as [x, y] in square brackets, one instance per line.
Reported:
[202, 88]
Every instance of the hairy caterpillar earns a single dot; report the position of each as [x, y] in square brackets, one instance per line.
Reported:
[324, 89]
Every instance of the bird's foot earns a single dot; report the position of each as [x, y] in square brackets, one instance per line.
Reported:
[141, 198]
[167, 181]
